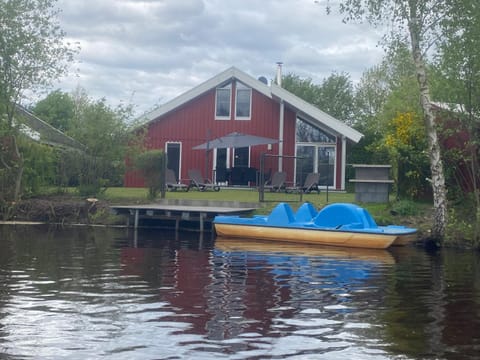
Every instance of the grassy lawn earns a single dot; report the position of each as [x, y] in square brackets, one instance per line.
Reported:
[117, 195]
[410, 213]
[139, 196]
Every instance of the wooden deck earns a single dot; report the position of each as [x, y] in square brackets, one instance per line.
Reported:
[191, 211]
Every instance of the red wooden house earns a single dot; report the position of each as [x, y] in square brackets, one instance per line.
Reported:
[307, 139]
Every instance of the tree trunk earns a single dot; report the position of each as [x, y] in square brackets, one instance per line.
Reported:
[11, 164]
[436, 165]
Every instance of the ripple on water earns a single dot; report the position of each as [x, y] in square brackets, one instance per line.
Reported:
[96, 297]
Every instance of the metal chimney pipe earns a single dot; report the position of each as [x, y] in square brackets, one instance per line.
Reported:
[279, 73]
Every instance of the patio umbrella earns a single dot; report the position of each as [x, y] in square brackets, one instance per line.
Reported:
[235, 140]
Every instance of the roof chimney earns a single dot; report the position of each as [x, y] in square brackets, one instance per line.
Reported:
[279, 73]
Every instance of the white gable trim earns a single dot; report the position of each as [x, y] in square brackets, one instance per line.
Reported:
[231, 73]
[317, 116]
[303, 108]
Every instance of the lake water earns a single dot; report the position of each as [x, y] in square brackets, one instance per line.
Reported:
[95, 293]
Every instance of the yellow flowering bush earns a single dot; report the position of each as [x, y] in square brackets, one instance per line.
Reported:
[405, 143]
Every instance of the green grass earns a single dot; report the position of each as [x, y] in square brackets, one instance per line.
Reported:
[124, 195]
[243, 195]
[394, 212]
[139, 195]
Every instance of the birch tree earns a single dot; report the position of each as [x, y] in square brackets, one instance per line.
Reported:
[416, 22]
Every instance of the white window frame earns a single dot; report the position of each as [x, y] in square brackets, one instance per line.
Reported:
[239, 88]
[224, 117]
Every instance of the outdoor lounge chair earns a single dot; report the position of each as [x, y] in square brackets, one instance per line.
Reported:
[171, 182]
[310, 184]
[199, 183]
[277, 182]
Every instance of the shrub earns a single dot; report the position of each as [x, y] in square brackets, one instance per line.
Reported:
[151, 165]
[405, 208]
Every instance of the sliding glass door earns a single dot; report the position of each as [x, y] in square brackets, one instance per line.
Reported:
[326, 165]
[316, 152]
[316, 158]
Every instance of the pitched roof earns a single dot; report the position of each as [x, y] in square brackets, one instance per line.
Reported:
[39, 130]
[305, 110]
[458, 108]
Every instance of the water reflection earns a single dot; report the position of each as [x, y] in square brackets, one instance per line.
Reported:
[88, 293]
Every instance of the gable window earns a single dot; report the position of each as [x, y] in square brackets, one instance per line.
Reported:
[243, 102]
[309, 133]
[223, 100]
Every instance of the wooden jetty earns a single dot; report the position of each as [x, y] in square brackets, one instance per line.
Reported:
[199, 211]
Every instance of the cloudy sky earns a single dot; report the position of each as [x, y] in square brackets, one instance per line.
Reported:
[146, 52]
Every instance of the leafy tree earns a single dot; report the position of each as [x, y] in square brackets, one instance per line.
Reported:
[370, 95]
[303, 88]
[384, 93]
[32, 54]
[384, 90]
[337, 97]
[106, 135]
[40, 163]
[57, 109]
[415, 22]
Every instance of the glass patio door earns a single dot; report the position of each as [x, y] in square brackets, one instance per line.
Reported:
[305, 162]
[326, 165]
[316, 158]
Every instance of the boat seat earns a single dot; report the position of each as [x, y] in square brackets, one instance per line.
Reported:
[305, 213]
[281, 214]
[342, 214]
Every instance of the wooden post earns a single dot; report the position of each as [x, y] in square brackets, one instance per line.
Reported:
[202, 216]
[135, 225]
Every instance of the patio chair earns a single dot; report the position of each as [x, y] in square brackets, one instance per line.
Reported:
[171, 182]
[199, 183]
[310, 184]
[277, 182]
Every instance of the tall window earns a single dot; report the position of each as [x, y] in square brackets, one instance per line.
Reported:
[243, 102]
[316, 152]
[223, 100]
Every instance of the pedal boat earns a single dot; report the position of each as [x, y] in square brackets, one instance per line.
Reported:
[338, 224]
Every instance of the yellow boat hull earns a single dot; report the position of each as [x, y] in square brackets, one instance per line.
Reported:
[267, 246]
[307, 236]
[403, 240]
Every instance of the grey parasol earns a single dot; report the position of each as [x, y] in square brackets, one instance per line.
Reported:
[235, 140]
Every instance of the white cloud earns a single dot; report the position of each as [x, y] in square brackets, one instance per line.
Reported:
[150, 51]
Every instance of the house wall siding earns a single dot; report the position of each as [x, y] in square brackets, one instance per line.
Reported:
[194, 122]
